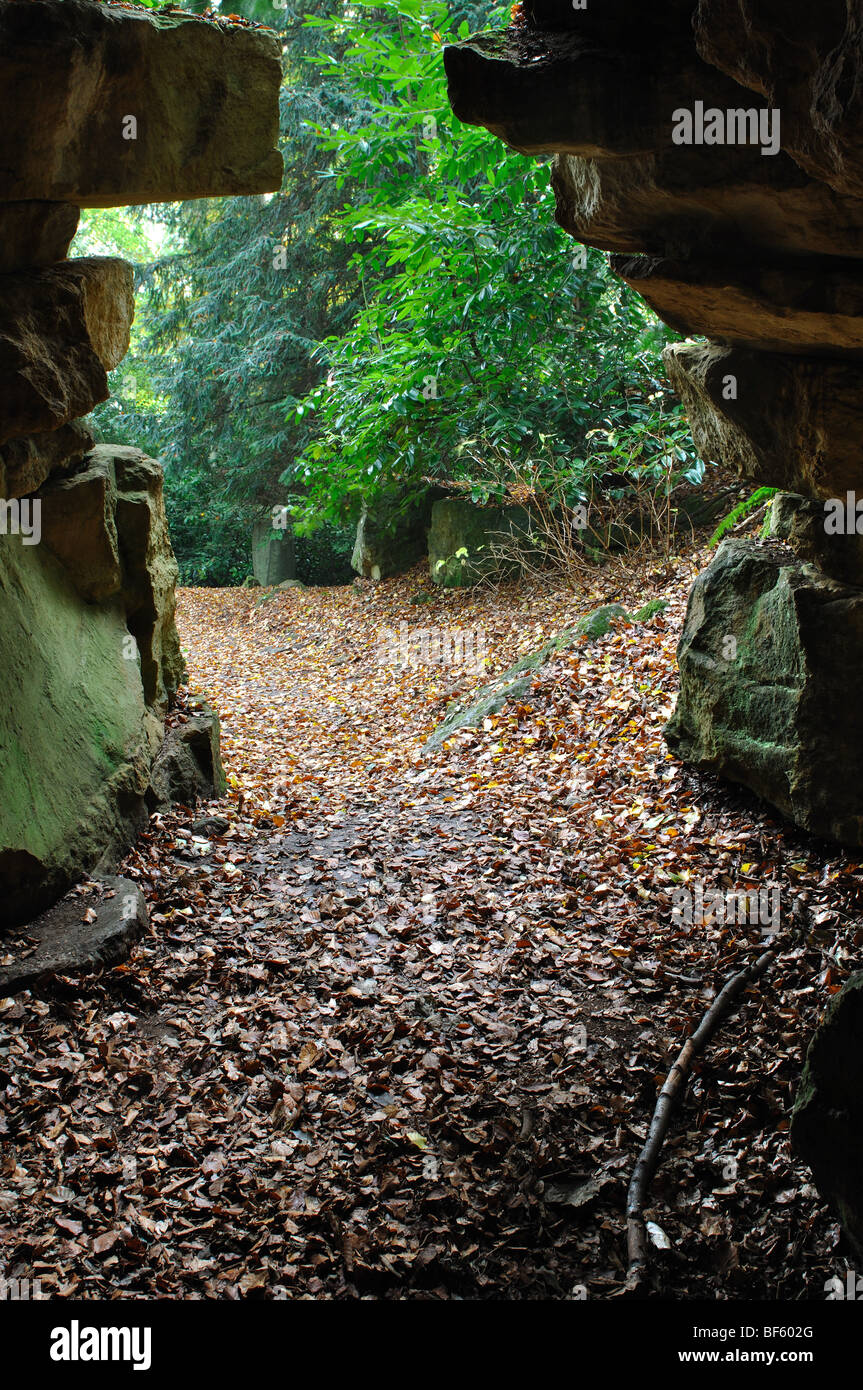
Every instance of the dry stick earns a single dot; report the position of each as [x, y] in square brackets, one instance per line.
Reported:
[648, 1159]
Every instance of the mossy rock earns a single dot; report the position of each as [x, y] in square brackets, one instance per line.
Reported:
[465, 541]
[273, 552]
[769, 657]
[392, 535]
[515, 683]
[77, 740]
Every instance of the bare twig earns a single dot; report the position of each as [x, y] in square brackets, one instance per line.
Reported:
[555, 540]
[675, 1083]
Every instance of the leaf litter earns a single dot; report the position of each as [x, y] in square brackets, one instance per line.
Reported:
[401, 1018]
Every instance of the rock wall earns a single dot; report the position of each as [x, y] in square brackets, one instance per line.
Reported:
[100, 105]
[827, 1122]
[715, 149]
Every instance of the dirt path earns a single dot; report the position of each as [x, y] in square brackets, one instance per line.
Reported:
[398, 1026]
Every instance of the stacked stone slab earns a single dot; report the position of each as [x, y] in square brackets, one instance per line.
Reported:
[762, 254]
[752, 236]
[274, 549]
[468, 542]
[100, 105]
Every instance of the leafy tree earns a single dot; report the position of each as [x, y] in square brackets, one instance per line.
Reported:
[232, 309]
[486, 335]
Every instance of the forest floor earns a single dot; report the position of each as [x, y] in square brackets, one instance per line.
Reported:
[399, 1025]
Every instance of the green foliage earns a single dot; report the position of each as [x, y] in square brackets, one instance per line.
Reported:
[749, 504]
[135, 235]
[234, 296]
[213, 547]
[486, 336]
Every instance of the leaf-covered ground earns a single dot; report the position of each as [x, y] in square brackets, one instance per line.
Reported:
[399, 1025]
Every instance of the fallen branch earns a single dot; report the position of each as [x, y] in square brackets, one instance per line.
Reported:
[675, 1083]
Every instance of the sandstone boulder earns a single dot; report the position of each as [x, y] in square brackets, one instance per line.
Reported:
[468, 542]
[134, 106]
[562, 93]
[811, 305]
[608, 113]
[35, 234]
[76, 741]
[150, 572]
[706, 203]
[188, 767]
[26, 462]
[800, 523]
[81, 934]
[392, 535]
[769, 650]
[806, 59]
[61, 331]
[106, 523]
[273, 551]
[785, 421]
[79, 526]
